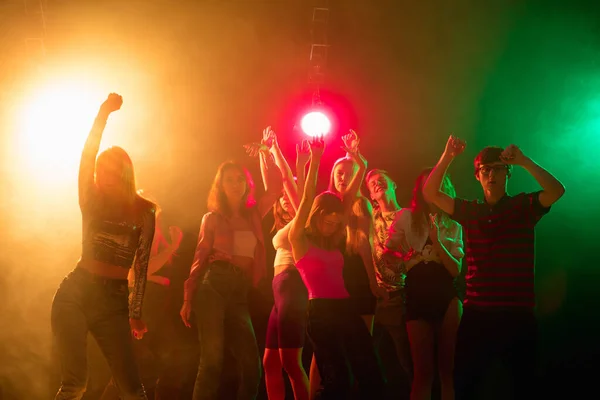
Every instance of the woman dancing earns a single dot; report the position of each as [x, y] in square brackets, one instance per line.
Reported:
[346, 177]
[154, 350]
[118, 227]
[286, 330]
[431, 244]
[229, 259]
[339, 336]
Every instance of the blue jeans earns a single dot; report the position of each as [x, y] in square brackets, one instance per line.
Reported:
[88, 303]
[221, 308]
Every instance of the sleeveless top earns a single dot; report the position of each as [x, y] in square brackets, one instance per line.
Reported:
[322, 273]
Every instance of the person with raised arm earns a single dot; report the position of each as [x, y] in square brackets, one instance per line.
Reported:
[341, 341]
[118, 227]
[498, 318]
[229, 260]
[286, 329]
[154, 351]
[347, 176]
[431, 246]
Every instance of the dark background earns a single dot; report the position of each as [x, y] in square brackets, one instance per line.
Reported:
[204, 77]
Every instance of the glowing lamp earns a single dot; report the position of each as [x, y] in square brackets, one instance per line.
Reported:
[315, 123]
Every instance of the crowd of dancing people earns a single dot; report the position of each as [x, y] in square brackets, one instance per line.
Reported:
[342, 261]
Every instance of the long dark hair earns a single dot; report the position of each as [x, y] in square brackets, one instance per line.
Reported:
[217, 200]
[420, 209]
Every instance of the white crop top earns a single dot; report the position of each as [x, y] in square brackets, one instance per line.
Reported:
[283, 248]
[244, 243]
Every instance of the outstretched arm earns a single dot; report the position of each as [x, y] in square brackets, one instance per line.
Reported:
[271, 175]
[289, 185]
[302, 157]
[351, 142]
[431, 189]
[297, 234]
[87, 166]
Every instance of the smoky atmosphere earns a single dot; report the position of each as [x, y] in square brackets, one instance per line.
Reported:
[395, 88]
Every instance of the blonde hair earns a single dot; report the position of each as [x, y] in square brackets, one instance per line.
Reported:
[360, 209]
[118, 157]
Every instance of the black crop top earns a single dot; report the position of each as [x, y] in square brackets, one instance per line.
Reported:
[113, 233]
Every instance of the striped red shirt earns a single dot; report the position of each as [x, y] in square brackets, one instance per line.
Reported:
[500, 249]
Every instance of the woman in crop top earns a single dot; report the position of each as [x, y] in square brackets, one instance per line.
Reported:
[339, 336]
[346, 177]
[118, 227]
[229, 259]
[286, 330]
[432, 249]
[152, 351]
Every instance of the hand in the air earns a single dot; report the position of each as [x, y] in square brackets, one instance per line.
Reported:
[454, 146]
[112, 103]
[512, 155]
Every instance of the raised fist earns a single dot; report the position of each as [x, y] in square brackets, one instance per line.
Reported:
[112, 103]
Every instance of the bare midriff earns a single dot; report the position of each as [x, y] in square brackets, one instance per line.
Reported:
[282, 267]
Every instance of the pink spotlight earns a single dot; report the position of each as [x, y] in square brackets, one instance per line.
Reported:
[315, 123]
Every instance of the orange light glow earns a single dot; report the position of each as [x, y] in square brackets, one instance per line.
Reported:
[51, 129]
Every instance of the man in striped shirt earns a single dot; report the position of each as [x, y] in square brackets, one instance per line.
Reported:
[498, 318]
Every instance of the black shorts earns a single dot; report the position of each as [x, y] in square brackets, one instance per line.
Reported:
[429, 290]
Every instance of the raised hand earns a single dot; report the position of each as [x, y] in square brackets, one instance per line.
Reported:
[351, 142]
[317, 147]
[269, 138]
[302, 153]
[350, 146]
[254, 149]
[112, 103]
[513, 155]
[454, 146]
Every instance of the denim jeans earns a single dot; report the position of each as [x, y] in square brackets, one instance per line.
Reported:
[156, 354]
[343, 349]
[221, 308]
[88, 303]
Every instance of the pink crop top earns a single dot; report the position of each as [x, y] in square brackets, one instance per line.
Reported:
[322, 273]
